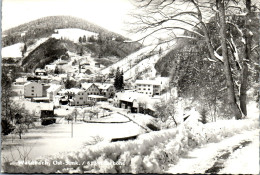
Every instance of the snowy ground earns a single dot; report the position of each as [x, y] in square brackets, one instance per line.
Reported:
[35, 45]
[73, 34]
[13, 51]
[52, 139]
[243, 160]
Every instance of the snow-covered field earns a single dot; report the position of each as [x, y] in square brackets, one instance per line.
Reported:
[35, 45]
[13, 51]
[154, 152]
[73, 34]
[128, 63]
[52, 139]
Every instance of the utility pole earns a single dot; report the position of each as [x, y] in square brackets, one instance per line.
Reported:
[72, 127]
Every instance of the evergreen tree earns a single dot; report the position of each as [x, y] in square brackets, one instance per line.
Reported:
[117, 79]
[84, 39]
[121, 80]
[56, 71]
[80, 39]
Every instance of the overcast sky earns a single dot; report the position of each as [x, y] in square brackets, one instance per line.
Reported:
[110, 14]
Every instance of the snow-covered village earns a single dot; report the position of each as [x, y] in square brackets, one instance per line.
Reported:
[176, 90]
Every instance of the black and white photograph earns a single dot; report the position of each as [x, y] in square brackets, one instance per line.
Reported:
[130, 86]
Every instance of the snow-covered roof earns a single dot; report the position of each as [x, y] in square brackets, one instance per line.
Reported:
[45, 77]
[103, 86]
[46, 106]
[63, 91]
[75, 90]
[54, 87]
[31, 83]
[40, 70]
[86, 86]
[21, 80]
[131, 96]
[148, 82]
[50, 66]
[63, 75]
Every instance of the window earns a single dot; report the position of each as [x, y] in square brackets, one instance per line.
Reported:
[33, 94]
[81, 98]
[32, 90]
[148, 88]
[32, 87]
[77, 102]
[144, 89]
[139, 88]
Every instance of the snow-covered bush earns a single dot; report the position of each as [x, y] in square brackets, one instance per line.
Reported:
[149, 153]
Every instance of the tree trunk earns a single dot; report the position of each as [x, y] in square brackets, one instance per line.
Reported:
[243, 88]
[244, 78]
[227, 70]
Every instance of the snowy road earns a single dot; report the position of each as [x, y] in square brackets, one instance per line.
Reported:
[235, 155]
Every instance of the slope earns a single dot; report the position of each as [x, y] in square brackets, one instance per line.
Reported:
[141, 64]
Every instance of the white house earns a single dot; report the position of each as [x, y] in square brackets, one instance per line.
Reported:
[130, 100]
[20, 81]
[50, 67]
[53, 90]
[107, 90]
[90, 88]
[77, 97]
[40, 72]
[149, 87]
[33, 89]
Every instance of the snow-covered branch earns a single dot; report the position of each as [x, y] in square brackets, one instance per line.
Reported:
[218, 56]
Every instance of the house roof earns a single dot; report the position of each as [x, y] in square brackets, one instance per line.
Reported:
[21, 80]
[50, 66]
[40, 70]
[75, 90]
[63, 91]
[45, 77]
[103, 86]
[46, 106]
[31, 83]
[86, 86]
[148, 82]
[131, 96]
[54, 87]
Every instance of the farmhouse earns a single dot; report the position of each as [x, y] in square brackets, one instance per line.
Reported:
[107, 90]
[131, 100]
[77, 97]
[90, 88]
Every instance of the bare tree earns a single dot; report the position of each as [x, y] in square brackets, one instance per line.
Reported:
[165, 110]
[191, 16]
